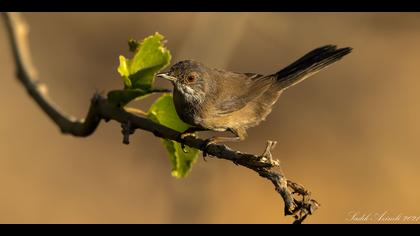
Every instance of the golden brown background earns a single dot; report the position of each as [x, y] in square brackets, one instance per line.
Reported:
[349, 134]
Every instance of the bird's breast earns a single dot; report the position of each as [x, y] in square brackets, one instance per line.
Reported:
[188, 111]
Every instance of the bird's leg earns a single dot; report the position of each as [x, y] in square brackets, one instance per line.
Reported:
[189, 132]
[240, 134]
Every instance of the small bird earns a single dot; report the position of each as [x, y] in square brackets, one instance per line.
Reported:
[220, 100]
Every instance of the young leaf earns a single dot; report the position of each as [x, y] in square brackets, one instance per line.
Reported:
[150, 56]
[163, 112]
[123, 68]
[124, 71]
[140, 78]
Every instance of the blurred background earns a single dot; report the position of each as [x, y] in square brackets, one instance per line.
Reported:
[349, 134]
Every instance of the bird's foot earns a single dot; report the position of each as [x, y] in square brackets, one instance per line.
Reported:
[205, 146]
[183, 136]
[186, 134]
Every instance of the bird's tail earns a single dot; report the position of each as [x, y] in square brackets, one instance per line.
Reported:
[313, 62]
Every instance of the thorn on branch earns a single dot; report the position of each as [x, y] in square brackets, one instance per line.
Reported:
[127, 130]
[267, 157]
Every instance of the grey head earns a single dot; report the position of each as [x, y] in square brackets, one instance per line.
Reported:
[189, 78]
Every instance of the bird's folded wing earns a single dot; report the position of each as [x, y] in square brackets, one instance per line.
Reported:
[238, 90]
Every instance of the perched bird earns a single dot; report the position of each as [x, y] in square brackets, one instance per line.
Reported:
[220, 100]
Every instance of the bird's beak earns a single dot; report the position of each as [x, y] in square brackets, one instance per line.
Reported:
[168, 77]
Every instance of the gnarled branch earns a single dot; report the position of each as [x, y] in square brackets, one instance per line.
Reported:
[297, 200]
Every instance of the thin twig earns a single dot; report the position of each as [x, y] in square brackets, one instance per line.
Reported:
[298, 202]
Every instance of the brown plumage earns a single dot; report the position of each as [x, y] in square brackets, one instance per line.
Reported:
[220, 100]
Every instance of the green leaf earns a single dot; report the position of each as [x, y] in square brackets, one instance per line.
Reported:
[123, 97]
[163, 112]
[124, 71]
[123, 68]
[138, 80]
[150, 57]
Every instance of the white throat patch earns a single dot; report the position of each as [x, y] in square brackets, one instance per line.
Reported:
[190, 94]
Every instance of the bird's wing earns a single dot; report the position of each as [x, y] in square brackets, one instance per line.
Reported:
[239, 89]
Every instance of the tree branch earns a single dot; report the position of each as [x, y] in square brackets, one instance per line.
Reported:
[297, 200]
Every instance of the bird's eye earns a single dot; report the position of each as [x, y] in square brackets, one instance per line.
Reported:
[191, 78]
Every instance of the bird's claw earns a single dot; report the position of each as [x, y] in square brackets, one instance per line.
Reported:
[183, 136]
[205, 146]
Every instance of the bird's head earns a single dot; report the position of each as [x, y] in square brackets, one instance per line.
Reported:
[188, 78]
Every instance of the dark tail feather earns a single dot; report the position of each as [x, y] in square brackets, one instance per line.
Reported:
[313, 62]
